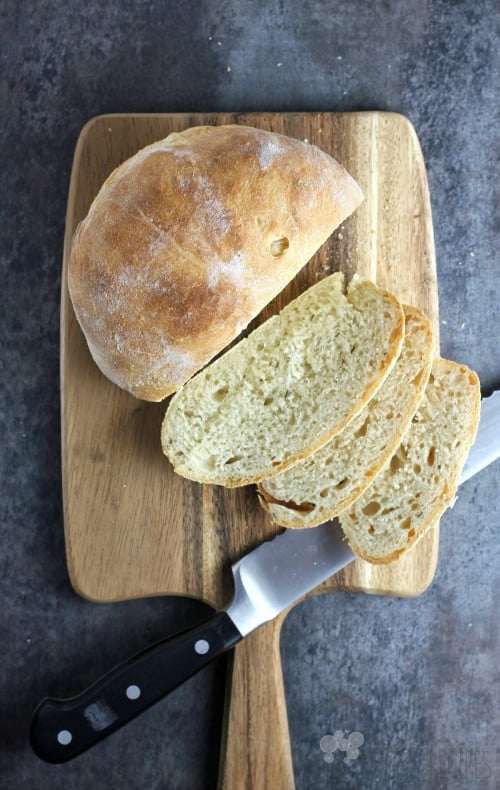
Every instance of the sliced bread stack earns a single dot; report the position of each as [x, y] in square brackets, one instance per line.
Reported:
[323, 485]
[334, 407]
[286, 390]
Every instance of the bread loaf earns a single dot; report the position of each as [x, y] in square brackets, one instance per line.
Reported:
[287, 389]
[189, 239]
[326, 483]
[421, 479]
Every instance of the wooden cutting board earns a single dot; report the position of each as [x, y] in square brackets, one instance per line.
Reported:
[132, 527]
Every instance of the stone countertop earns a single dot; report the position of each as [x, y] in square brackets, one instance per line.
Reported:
[415, 676]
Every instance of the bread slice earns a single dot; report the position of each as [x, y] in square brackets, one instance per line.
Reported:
[420, 480]
[326, 483]
[189, 239]
[283, 392]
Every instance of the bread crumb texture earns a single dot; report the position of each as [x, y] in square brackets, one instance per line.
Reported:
[421, 478]
[287, 389]
[326, 483]
[188, 240]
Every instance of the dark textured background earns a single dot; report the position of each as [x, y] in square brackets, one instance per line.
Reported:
[416, 676]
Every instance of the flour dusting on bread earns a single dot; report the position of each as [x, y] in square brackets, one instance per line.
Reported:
[192, 237]
[269, 149]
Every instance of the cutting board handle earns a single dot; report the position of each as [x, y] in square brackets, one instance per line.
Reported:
[255, 752]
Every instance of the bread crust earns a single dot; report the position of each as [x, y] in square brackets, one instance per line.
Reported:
[188, 240]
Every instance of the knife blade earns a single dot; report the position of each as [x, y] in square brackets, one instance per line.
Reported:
[267, 581]
[485, 448]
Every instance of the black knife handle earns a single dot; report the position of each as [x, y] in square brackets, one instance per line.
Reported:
[64, 728]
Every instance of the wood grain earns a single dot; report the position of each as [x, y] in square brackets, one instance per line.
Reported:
[255, 747]
[132, 527]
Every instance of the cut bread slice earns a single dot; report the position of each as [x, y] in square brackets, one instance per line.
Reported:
[420, 480]
[287, 389]
[326, 483]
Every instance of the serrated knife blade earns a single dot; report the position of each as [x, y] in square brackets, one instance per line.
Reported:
[281, 571]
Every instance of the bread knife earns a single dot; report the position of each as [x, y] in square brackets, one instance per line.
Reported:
[267, 581]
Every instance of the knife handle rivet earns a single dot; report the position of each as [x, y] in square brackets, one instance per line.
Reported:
[201, 647]
[64, 737]
[133, 692]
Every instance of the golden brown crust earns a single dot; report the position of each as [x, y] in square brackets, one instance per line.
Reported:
[176, 254]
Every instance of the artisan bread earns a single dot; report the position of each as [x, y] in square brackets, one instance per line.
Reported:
[189, 239]
[421, 479]
[287, 389]
[326, 483]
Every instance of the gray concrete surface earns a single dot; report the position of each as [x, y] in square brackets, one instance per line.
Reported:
[417, 677]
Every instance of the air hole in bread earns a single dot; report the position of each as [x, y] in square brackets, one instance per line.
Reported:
[220, 394]
[371, 529]
[278, 246]
[431, 456]
[324, 493]
[233, 459]
[342, 483]
[406, 524]
[417, 468]
[268, 400]
[411, 533]
[299, 507]
[396, 463]
[362, 430]
[371, 508]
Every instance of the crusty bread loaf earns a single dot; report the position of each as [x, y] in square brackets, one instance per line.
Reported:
[420, 480]
[326, 483]
[189, 239]
[283, 392]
